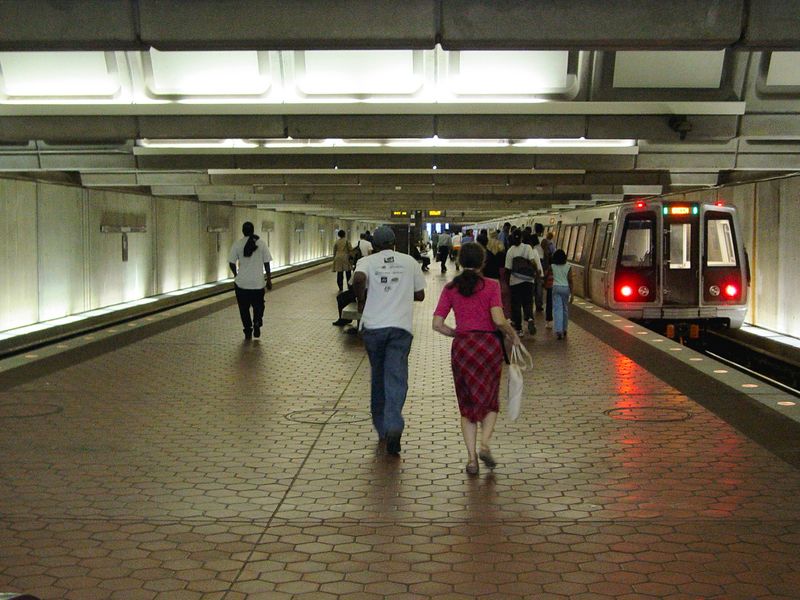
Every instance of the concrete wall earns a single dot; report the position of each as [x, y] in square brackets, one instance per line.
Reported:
[769, 212]
[56, 262]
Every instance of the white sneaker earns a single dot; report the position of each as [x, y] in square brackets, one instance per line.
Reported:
[549, 325]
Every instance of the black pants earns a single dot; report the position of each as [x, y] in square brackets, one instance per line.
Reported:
[425, 262]
[340, 279]
[521, 303]
[444, 252]
[548, 311]
[247, 298]
[343, 299]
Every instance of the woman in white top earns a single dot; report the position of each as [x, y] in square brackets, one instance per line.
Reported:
[249, 260]
[562, 292]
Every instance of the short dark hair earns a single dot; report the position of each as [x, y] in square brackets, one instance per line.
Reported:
[559, 257]
[342, 233]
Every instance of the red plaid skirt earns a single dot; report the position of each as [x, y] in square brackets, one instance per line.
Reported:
[477, 360]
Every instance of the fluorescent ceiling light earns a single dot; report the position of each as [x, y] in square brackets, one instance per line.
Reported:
[229, 143]
[573, 143]
[228, 73]
[490, 72]
[51, 74]
[333, 72]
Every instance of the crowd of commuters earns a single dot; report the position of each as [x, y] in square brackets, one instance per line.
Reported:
[506, 274]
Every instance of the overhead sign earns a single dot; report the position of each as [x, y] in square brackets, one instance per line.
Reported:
[396, 214]
[437, 213]
[680, 210]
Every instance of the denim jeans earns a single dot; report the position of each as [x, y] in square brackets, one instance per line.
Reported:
[388, 349]
[561, 307]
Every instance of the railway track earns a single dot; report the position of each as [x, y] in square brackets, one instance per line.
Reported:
[762, 358]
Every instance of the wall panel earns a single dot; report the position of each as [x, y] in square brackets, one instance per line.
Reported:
[62, 289]
[767, 285]
[167, 243]
[18, 254]
[788, 317]
[113, 280]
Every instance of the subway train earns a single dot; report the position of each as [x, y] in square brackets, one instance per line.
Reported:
[669, 264]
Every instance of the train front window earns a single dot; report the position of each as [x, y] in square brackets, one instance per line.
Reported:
[719, 240]
[637, 244]
[680, 246]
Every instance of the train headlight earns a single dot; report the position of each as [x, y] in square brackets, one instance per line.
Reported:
[626, 291]
[644, 291]
[731, 291]
[714, 290]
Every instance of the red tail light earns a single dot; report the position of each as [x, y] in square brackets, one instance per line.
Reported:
[731, 291]
[640, 204]
[626, 291]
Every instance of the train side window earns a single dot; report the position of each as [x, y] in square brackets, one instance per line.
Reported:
[579, 243]
[601, 251]
[637, 242]
[680, 246]
[570, 248]
[564, 243]
[720, 247]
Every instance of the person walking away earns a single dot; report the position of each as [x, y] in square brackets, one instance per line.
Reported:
[249, 261]
[476, 354]
[445, 245]
[538, 287]
[505, 235]
[341, 259]
[548, 248]
[363, 248]
[456, 246]
[494, 268]
[435, 242]
[394, 283]
[562, 292]
[521, 280]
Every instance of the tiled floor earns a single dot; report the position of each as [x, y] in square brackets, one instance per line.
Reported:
[192, 465]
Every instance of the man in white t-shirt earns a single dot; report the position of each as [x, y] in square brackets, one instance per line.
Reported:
[364, 246]
[394, 282]
[249, 260]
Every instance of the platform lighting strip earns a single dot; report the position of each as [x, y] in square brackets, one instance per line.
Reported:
[433, 142]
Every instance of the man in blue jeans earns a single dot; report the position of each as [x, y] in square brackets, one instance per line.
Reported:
[394, 282]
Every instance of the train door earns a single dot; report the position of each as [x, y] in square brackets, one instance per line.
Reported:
[681, 270]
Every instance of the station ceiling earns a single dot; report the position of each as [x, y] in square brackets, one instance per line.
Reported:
[481, 108]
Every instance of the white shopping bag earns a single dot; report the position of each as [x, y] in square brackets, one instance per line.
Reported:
[520, 361]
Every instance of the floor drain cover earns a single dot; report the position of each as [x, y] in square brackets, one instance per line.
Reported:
[650, 414]
[22, 410]
[323, 416]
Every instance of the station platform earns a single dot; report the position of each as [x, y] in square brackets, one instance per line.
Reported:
[169, 459]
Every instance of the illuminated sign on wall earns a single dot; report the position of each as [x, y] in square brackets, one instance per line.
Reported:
[396, 214]
[437, 213]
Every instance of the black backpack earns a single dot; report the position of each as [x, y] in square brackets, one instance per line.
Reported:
[357, 255]
[522, 268]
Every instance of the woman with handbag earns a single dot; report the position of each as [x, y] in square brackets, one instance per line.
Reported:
[477, 351]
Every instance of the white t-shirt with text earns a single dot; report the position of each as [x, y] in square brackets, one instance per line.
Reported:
[250, 273]
[392, 279]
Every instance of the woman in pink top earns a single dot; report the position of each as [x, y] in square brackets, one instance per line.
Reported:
[477, 353]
